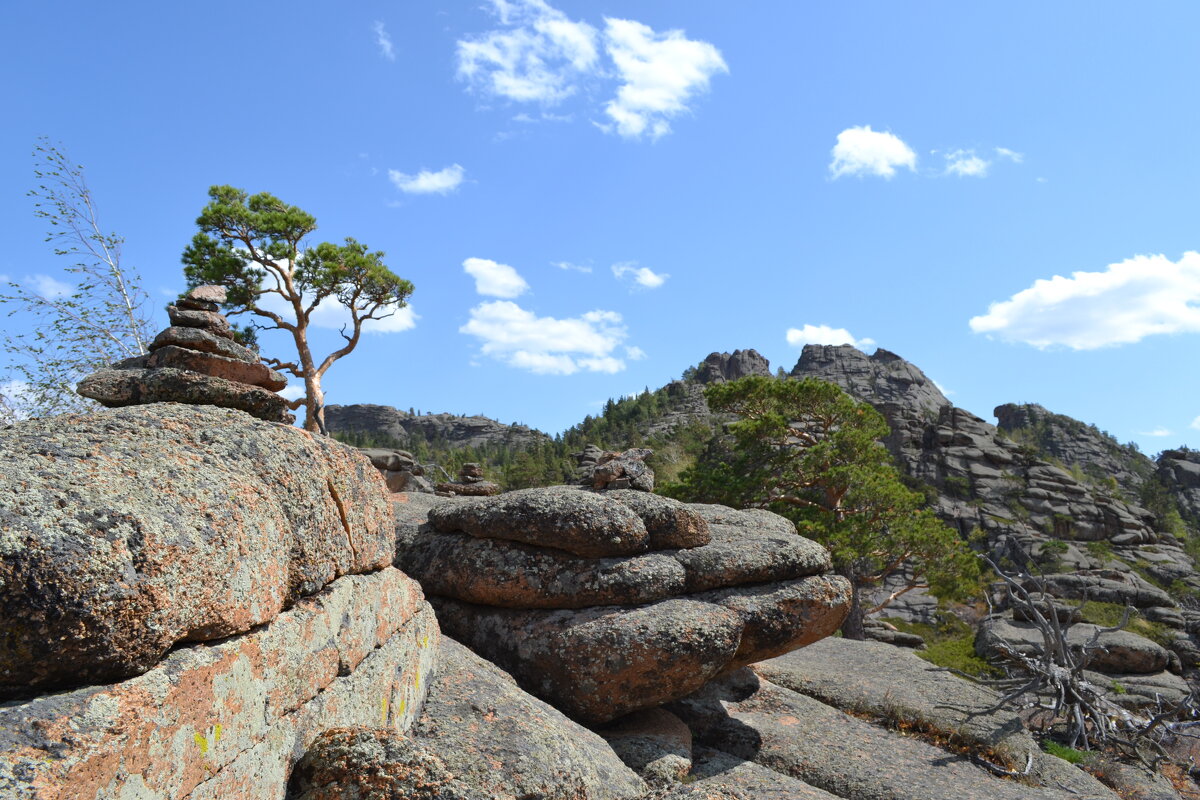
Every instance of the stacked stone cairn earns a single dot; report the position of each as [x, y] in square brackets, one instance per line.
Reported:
[195, 361]
[606, 603]
[399, 469]
[470, 483]
[598, 469]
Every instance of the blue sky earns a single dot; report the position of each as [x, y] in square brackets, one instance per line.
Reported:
[591, 196]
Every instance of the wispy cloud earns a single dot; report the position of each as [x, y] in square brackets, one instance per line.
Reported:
[635, 353]
[660, 72]
[386, 49]
[1128, 301]
[494, 279]
[823, 334]
[443, 181]
[1011, 155]
[47, 286]
[965, 164]
[644, 277]
[567, 265]
[1157, 432]
[861, 151]
[546, 345]
[539, 55]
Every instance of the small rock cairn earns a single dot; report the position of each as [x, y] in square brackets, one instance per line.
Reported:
[195, 361]
[470, 483]
[599, 469]
[399, 469]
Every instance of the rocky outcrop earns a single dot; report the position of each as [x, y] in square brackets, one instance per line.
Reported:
[986, 483]
[625, 470]
[1179, 471]
[194, 361]
[1077, 445]
[721, 367]
[402, 428]
[139, 528]
[229, 719]
[560, 587]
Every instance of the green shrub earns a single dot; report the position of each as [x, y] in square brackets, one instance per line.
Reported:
[949, 642]
[1066, 753]
[1108, 615]
[1101, 549]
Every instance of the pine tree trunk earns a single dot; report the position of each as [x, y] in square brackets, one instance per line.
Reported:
[852, 627]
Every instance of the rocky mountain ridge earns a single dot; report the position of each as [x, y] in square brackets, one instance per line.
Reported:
[397, 428]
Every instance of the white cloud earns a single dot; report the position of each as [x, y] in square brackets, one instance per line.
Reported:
[293, 391]
[1158, 432]
[1011, 155]
[965, 164]
[1195, 424]
[635, 353]
[443, 181]
[1139, 297]
[660, 72]
[823, 334]
[537, 59]
[642, 276]
[384, 41]
[48, 287]
[943, 389]
[567, 265]
[546, 345]
[862, 151]
[497, 280]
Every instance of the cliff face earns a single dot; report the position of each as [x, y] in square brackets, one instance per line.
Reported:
[1075, 444]
[403, 428]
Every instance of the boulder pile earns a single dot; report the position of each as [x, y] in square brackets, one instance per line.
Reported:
[196, 361]
[470, 483]
[400, 470]
[607, 603]
[598, 469]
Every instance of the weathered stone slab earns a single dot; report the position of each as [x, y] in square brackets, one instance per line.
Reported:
[797, 736]
[669, 523]
[116, 388]
[131, 530]
[780, 617]
[597, 664]
[217, 366]
[720, 776]
[210, 321]
[204, 342]
[511, 575]
[496, 738]
[369, 764]
[653, 743]
[229, 719]
[750, 553]
[579, 522]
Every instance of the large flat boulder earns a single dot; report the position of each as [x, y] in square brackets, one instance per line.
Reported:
[800, 737]
[117, 388]
[599, 663]
[512, 575]
[508, 745]
[578, 522]
[135, 529]
[229, 719]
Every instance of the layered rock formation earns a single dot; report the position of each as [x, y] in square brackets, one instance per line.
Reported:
[213, 591]
[607, 603]
[194, 361]
[139, 528]
[401, 428]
